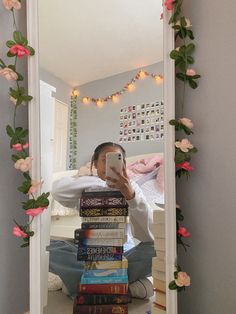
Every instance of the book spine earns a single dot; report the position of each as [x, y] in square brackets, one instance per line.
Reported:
[85, 249]
[99, 233]
[118, 288]
[103, 280]
[107, 219]
[105, 272]
[102, 211]
[101, 309]
[92, 299]
[105, 265]
[102, 202]
[100, 242]
[102, 225]
[99, 257]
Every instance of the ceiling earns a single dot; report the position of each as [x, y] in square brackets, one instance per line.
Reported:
[85, 40]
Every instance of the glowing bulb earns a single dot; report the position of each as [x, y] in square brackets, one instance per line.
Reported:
[158, 79]
[131, 87]
[75, 93]
[142, 74]
[115, 98]
[99, 103]
[85, 100]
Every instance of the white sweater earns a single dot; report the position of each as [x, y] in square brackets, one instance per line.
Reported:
[68, 190]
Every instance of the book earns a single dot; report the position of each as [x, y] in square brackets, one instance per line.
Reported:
[105, 272]
[99, 257]
[102, 299]
[158, 264]
[158, 230]
[100, 242]
[99, 233]
[161, 275]
[101, 191]
[102, 211]
[107, 219]
[103, 280]
[104, 201]
[161, 254]
[117, 288]
[106, 264]
[159, 244]
[159, 285]
[85, 249]
[100, 309]
[160, 298]
[159, 216]
[102, 225]
[157, 309]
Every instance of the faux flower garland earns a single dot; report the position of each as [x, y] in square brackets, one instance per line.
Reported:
[184, 149]
[18, 49]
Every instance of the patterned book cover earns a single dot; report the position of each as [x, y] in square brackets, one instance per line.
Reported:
[102, 299]
[105, 265]
[84, 249]
[100, 309]
[107, 219]
[101, 242]
[99, 257]
[103, 280]
[102, 211]
[102, 225]
[117, 288]
[105, 272]
[102, 202]
[99, 233]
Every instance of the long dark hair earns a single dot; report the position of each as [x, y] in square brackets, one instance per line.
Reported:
[100, 148]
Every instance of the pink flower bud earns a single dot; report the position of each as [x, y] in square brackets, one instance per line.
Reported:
[191, 72]
[19, 50]
[185, 165]
[182, 280]
[35, 211]
[183, 232]
[19, 233]
[11, 4]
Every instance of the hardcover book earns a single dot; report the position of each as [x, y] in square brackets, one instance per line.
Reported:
[100, 309]
[102, 299]
[99, 233]
[103, 211]
[101, 242]
[157, 309]
[102, 225]
[158, 230]
[159, 216]
[101, 192]
[159, 284]
[159, 244]
[158, 264]
[103, 280]
[99, 257]
[160, 298]
[102, 201]
[85, 249]
[106, 264]
[107, 219]
[105, 272]
[117, 288]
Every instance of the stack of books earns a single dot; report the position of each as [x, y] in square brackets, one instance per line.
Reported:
[158, 262]
[103, 286]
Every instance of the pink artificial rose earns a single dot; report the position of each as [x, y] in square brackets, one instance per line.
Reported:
[169, 4]
[191, 72]
[35, 185]
[35, 211]
[183, 232]
[19, 233]
[9, 74]
[19, 50]
[184, 145]
[187, 122]
[11, 4]
[183, 279]
[185, 165]
[19, 147]
[24, 165]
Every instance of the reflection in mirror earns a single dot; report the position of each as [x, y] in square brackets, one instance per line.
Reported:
[98, 50]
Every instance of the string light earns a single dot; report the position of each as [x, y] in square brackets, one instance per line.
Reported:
[75, 93]
[129, 87]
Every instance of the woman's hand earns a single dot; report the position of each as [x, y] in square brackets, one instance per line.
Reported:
[122, 184]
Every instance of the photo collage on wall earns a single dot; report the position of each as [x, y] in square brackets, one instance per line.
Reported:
[143, 122]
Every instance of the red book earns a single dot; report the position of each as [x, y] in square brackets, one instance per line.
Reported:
[101, 309]
[117, 288]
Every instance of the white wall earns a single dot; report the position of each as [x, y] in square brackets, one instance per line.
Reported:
[208, 198]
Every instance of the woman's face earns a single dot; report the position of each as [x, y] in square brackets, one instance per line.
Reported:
[100, 163]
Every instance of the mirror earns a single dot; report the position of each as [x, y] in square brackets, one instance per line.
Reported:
[98, 50]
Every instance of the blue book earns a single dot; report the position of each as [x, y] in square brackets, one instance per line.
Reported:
[103, 280]
[118, 272]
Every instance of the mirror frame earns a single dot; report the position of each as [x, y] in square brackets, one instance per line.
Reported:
[35, 285]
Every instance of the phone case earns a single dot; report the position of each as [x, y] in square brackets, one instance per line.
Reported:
[114, 159]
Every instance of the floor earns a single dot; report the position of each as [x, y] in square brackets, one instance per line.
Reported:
[59, 303]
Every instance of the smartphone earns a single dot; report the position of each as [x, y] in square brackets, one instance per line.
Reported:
[115, 160]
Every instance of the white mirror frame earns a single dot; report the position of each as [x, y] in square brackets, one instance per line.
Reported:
[36, 306]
